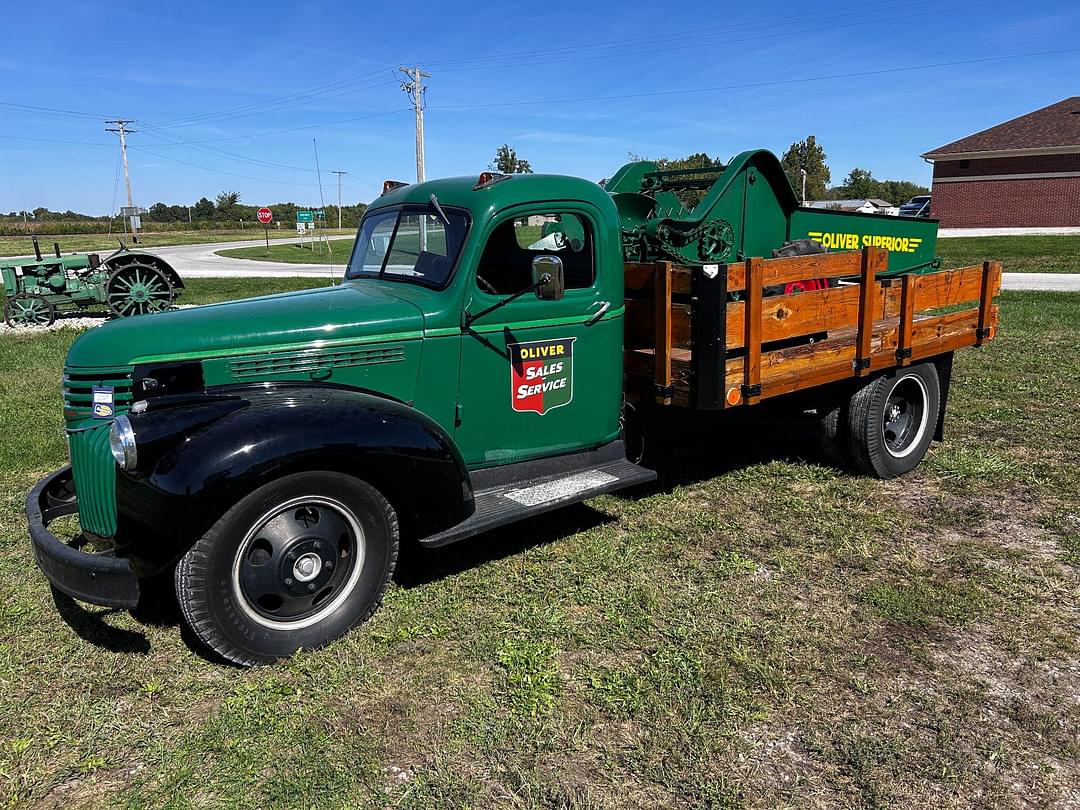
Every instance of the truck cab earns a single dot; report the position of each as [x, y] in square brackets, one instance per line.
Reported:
[499, 370]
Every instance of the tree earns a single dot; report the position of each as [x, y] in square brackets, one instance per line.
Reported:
[807, 155]
[227, 203]
[507, 161]
[699, 160]
[860, 184]
[203, 209]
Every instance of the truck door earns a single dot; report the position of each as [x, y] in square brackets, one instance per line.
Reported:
[539, 377]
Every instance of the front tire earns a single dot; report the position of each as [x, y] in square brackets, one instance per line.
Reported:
[296, 563]
[891, 421]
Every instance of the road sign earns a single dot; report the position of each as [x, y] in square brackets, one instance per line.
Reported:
[305, 216]
[320, 215]
[265, 216]
[300, 228]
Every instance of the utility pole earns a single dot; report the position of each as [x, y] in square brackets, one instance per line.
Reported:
[121, 123]
[415, 88]
[338, 173]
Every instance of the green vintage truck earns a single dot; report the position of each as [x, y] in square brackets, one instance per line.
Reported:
[473, 368]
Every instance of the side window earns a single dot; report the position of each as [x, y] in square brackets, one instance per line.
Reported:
[506, 264]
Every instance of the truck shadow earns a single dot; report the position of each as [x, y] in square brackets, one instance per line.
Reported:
[688, 448]
[90, 626]
[419, 565]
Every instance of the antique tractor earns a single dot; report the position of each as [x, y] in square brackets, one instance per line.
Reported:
[127, 282]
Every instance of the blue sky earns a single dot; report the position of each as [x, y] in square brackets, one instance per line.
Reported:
[229, 95]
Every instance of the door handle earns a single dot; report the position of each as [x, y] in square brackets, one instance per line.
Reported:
[600, 313]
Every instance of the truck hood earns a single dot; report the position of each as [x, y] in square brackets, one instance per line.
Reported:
[273, 322]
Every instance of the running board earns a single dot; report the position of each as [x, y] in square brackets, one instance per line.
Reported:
[505, 503]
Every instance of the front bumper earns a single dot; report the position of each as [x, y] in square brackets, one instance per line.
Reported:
[100, 578]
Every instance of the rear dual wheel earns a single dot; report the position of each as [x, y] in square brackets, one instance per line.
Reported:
[296, 563]
[886, 427]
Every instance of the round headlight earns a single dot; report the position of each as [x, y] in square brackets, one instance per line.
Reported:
[122, 443]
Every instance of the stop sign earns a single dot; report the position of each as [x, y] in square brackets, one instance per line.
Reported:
[265, 216]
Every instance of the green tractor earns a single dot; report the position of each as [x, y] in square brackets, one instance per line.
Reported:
[126, 282]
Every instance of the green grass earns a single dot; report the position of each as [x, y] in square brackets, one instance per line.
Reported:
[1018, 254]
[22, 246]
[212, 290]
[307, 253]
[758, 631]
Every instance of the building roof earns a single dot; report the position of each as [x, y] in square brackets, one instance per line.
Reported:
[1052, 129]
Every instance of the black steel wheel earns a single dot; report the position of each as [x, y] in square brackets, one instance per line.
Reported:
[135, 287]
[27, 309]
[296, 563]
[891, 421]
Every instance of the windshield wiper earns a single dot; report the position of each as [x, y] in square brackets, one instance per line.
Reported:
[438, 210]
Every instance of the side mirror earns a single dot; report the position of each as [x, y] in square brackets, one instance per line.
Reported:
[548, 276]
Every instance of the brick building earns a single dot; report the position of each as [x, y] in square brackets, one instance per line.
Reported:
[1023, 173]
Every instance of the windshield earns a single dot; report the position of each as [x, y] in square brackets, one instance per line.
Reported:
[409, 244]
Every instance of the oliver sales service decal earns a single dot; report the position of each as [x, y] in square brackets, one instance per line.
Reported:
[541, 374]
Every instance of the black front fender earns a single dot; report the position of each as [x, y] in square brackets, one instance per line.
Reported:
[200, 456]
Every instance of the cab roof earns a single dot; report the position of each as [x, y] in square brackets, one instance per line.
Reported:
[514, 189]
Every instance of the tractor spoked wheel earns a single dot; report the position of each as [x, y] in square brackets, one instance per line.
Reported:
[27, 309]
[137, 288]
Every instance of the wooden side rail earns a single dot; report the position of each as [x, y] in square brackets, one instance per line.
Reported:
[777, 344]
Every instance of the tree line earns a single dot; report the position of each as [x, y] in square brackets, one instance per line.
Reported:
[226, 209]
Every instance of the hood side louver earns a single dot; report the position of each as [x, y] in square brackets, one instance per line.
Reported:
[260, 365]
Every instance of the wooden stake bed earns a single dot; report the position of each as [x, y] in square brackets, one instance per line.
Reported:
[687, 343]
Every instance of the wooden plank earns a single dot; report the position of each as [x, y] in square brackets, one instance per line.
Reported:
[808, 313]
[752, 332]
[907, 320]
[800, 268]
[786, 370]
[662, 367]
[639, 325]
[948, 288]
[873, 261]
[991, 284]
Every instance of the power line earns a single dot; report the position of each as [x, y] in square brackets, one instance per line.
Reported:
[278, 104]
[53, 140]
[748, 85]
[53, 110]
[219, 171]
[593, 51]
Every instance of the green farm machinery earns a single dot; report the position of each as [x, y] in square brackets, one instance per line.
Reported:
[126, 282]
[725, 214]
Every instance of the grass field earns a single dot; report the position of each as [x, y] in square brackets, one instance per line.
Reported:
[21, 245]
[1019, 254]
[296, 253]
[758, 630]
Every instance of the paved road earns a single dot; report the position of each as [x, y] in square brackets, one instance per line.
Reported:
[1053, 282]
[201, 261]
